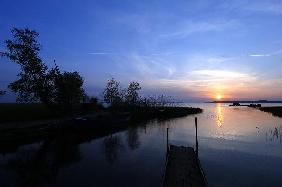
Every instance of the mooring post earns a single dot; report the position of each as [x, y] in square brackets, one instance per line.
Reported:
[167, 146]
[196, 125]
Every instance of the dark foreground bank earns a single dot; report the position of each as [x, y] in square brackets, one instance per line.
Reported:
[85, 127]
[26, 112]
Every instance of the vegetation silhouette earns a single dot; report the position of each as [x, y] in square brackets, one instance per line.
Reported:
[36, 82]
[274, 134]
[2, 93]
[63, 92]
[274, 110]
[118, 97]
[142, 108]
[132, 95]
[112, 93]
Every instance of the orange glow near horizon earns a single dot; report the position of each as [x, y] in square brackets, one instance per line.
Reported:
[218, 97]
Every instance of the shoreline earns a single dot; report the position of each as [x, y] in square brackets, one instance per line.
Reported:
[85, 127]
[274, 110]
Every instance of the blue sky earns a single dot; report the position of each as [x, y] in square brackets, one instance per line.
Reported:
[191, 50]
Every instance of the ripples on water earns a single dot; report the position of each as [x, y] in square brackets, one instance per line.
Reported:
[238, 146]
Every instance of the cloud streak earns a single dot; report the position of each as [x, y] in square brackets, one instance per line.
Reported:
[267, 55]
[259, 55]
[102, 53]
[187, 28]
[267, 6]
[221, 74]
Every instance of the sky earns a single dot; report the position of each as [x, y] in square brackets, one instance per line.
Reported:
[190, 50]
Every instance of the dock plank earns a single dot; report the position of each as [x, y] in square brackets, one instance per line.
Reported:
[182, 168]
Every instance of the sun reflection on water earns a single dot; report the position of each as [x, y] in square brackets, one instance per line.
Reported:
[219, 116]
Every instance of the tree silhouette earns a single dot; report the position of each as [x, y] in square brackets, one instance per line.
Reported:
[69, 89]
[132, 96]
[32, 84]
[36, 82]
[112, 92]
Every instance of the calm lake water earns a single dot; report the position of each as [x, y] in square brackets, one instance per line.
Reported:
[238, 146]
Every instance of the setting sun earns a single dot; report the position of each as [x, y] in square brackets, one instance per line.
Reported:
[218, 97]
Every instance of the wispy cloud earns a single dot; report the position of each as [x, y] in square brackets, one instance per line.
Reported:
[149, 55]
[139, 22]
[102, 53]
[187, 28]
[151, 65]
[267, 54]
[267, 6]
[259, 55]
[256, 6]
[221, 74]
[207, 83]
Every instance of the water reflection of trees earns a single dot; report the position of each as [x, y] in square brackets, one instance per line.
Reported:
[133, 138]
[40, 166]
[112, 145]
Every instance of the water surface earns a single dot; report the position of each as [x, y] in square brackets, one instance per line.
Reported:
[238, 146]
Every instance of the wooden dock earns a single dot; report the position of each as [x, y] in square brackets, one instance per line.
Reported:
[183, 166]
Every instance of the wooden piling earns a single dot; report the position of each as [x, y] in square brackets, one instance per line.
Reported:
[167, 145]
[197, 146]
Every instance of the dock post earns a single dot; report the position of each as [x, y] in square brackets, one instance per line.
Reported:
[167, 146]
[196, 125]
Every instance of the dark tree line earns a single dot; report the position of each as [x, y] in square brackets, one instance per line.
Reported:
[116, 96]
[37, 83]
